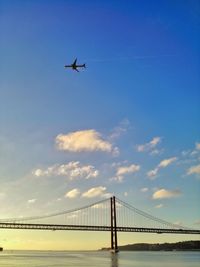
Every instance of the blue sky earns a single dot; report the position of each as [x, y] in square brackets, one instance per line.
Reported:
[127, 125]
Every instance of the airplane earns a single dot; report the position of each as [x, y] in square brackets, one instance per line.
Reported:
[74, 66]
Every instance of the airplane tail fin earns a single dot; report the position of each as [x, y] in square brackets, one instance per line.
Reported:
[84, 65]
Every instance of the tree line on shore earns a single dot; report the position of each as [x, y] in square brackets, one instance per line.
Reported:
[184, 245]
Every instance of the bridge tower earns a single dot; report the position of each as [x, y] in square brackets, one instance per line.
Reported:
[114, 246]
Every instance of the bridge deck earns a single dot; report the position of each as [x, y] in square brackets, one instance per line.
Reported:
[94, 228]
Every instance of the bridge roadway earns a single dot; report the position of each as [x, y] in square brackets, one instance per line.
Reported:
[55, 227]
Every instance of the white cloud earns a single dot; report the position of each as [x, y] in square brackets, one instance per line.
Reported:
[178, 223]
[118, 205]
[95, 192]
[107, 195]
[72, 216]
[31, 201]
[98, 206]
[164, 163]
[155, 141]
[144, 189]
[115, 152]
[73, 193]
[159, 206]
[192, 153]
[119, 130]
[118, 178]
[149, 146]
[194, 170]
[191, 157]
[127, 169]
[86, 140]
[72, 170]
[185, 153]
[197, 146]
[163, 193]
[39, 173]
[152, 174]
[156, 152]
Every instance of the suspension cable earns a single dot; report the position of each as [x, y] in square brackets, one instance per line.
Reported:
[53, 214]
[148, 216]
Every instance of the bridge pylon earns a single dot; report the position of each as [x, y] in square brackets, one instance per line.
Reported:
[114, 246]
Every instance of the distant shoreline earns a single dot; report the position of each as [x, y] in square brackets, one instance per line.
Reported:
[178, 246]
[193, 245]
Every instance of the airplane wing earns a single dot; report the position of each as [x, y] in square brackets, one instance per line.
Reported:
[74, 63]
[76, 69]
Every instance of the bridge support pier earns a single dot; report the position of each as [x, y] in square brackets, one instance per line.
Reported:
[114, 246]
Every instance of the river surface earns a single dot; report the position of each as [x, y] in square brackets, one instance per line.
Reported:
[98, 259]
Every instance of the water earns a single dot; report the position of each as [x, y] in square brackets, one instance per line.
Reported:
[98, 259]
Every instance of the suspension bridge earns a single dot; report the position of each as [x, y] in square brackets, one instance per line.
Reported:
[111, 215]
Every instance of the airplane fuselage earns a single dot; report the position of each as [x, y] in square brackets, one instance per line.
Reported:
[74, 66]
